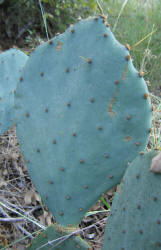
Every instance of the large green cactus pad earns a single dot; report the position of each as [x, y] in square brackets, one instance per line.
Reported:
[136, 210]
[83, 113]
[11, 63]
[54, 237]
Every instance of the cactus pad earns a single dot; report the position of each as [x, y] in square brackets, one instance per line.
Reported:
[11, 63]
[136, 210]
[82, 112]
[46, 240]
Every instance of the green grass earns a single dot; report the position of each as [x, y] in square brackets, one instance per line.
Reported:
[136, 21]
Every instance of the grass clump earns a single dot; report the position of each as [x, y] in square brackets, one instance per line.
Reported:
[138, 19]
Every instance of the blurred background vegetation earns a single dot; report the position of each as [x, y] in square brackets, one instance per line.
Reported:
[21, 24]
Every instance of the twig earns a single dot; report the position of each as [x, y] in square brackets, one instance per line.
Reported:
[25, 217]
[32, 209]
[100, 8]
[44, 19]
[142, 68]
[12, 220]
[122, 8]
[23, 230]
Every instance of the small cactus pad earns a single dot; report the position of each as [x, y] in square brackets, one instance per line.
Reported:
[49, 239]
[136, 210]
[81, 117]
[11, 64]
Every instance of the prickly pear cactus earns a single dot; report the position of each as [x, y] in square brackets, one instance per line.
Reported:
[11, 64]
[58, 238]
[136, 211]
[83, 112]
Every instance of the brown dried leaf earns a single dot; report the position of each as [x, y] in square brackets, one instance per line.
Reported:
[28, 197]
[31, 197]
[156, 164]
[15, 155]
[48, 219]
[42, 219]
[5, 172]
[3, 183]
[37, 197]
[112, 191]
